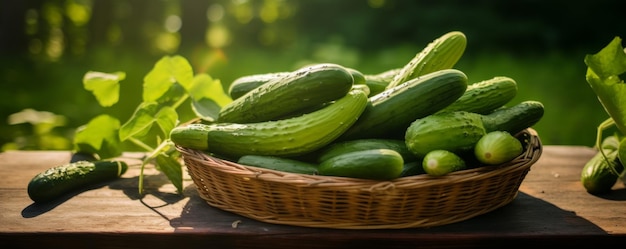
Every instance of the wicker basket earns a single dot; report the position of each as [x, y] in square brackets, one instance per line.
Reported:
[347, 203]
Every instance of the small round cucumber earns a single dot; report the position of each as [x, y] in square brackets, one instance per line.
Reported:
[497, 147]
[442, 162]
[376, 164]
[60, 180]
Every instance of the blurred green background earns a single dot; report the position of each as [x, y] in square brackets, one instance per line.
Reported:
[47, 46]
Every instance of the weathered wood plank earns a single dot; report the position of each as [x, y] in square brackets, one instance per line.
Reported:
[552, 207]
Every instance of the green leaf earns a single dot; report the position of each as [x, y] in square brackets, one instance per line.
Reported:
[167, 71]
[208, 97]
[206, 109]
[147, 114]
[99, 136]
[104, 86]
[166, 118]
[603, 75]
[171, 167]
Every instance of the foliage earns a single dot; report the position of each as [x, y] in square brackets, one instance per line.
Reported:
[168, 86]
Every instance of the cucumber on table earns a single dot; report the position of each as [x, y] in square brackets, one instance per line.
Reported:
[600, 173]
[60, 180]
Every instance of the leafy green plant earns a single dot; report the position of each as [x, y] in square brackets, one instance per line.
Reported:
[604, 72]
[166, 89]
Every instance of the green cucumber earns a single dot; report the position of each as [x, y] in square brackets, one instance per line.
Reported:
[442, 162]
[379, 82]
[412, 169]
[244, 84]
[456, 132]
[514, 119]
[279, 163]
[287, 137]
[393, 110]
[442, 53]
[304, 88]
[357, 76]
[376, 164]
[459, 131]
[497, 147]
[342, 147]
[60, 180]
[485, 96]
[599, 174]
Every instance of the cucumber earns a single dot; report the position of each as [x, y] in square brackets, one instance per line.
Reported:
[485, 96]
[358, 78]
[456, 132]
[304, 88]
[379, 82]
[376, 164]
[287, 137]
[244, 84]
[412, 168]
[342, 147]
[514, 119]
[459, 131]
[442, 53]
[279, 163]
[442, 162]
[60, 180]
[497, 147]
[391, 112]
[599, 174]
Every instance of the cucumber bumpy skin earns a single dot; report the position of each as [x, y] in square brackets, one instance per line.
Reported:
[244, 84]
[393, 110]
[599, 173]
[442, 53]
[485, 96]
[287, 137]
[459, 131]
[304, 88]
[456, 132]
[57, 181]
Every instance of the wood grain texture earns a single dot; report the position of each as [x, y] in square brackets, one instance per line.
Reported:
[552, 208]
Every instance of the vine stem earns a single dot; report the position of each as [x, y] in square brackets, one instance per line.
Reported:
[603, 126]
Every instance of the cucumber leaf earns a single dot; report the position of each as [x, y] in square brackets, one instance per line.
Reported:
[208, 97]
[167, 71]
[104, 86]
[603, 75]
[171, 167]
[146, 115]
[100, 137]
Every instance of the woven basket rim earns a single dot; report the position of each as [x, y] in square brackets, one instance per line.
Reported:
[200, 160]
[530, 156]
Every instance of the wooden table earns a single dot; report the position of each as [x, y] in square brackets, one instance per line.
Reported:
[551, 209]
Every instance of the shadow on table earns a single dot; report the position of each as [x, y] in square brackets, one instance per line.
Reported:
[525, 215]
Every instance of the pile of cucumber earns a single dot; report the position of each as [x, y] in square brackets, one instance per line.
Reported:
[328, 119]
